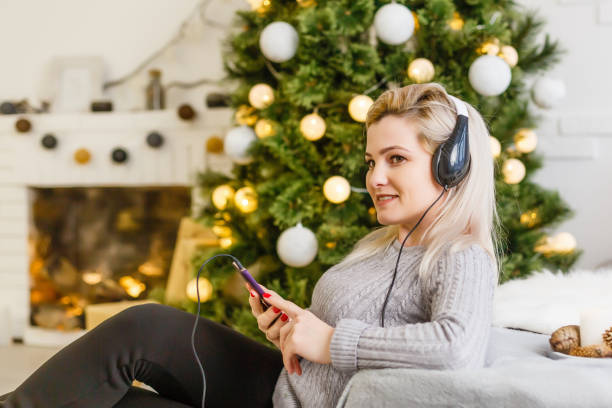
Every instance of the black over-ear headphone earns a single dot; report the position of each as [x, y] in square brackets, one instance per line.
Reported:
[450, 164]
[451, 160]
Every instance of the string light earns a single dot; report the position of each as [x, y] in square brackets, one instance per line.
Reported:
[525, 140]
[261, 96]
[246, 199]
[358, 107]
[513, 171]
[421, 70]
[204, 286]
[312, 127]
[264, 128]
[221, 196]
[337, 189]
[495, 146]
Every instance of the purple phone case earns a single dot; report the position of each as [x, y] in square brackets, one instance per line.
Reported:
[247, 276]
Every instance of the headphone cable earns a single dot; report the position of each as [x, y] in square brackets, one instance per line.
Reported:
[382, 314]
[195, 325]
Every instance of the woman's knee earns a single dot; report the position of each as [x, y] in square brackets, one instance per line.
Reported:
[137, 318]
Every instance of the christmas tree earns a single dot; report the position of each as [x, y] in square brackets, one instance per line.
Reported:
[305, 73]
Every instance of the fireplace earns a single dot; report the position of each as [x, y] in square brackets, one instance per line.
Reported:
[76, 232]
[92, 245]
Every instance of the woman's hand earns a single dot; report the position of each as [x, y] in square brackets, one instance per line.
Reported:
[270, 321]
[306, 335]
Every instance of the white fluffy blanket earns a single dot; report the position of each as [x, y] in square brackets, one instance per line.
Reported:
[545, 301]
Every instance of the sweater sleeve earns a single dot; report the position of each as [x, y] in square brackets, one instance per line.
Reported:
[461, 304]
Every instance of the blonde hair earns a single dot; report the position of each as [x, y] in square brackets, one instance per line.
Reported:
[468, 215]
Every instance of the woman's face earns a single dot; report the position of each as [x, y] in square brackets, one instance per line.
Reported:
[399, 178]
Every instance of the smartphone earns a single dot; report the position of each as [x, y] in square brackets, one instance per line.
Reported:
[251, 281]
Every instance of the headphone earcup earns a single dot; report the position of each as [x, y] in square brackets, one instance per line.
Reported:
[451, 160]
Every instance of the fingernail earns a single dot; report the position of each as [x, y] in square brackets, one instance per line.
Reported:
[252, 294]
[284, 317]
[267, 295]
[276, 309]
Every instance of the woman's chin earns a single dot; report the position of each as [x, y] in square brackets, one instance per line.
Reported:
[384, 221]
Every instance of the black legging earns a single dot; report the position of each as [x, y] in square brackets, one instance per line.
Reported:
[151, 343]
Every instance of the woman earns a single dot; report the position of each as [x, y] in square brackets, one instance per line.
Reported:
[429, 308]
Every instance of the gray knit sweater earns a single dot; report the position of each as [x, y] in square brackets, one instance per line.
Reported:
[443, 323]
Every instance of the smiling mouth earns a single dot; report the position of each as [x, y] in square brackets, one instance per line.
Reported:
[385, 198]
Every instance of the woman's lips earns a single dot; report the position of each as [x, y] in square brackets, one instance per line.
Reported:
[386, 201]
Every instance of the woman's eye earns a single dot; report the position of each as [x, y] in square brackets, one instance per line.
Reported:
[369, 163]
[397, 159]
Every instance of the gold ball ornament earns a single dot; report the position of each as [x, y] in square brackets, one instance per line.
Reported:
[358, 107]
[525, 140]
[563, 243]
[513, 171]
[421, 70]
[261, 96]
[312, 127]
[82, 156]
[337, 189]
[214, 144]
[221, 196]
[456, 23]
[245, 115]
[530, 218]
[372, 214]
[260, 6]
[203, 285]
[416, 20]
[508, 53]
[246, 199]
[264, 128]
[306, 3]
[222, 231]
[495, 147]
[490, 47]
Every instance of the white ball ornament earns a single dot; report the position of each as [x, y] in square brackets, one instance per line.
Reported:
[237, 142]
[394, 24]
[312, 127]
[489, 75]
[358, 107]
[297, 246]
[261, 96]
[337, 189]
[279, 41]
[548, 92]
[563, 242]
[513, 171]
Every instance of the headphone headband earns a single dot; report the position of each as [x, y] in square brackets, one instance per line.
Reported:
[460, 106]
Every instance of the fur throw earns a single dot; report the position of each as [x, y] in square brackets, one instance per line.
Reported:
[545, 301]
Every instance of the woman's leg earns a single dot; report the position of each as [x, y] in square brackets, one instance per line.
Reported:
[152, 343]
[140, 398]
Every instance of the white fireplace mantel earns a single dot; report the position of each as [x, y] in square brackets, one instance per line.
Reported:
[25, 163]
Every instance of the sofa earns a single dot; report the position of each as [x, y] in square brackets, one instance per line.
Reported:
[521, 370]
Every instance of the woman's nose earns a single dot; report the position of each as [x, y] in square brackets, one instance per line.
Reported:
[378, 176]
